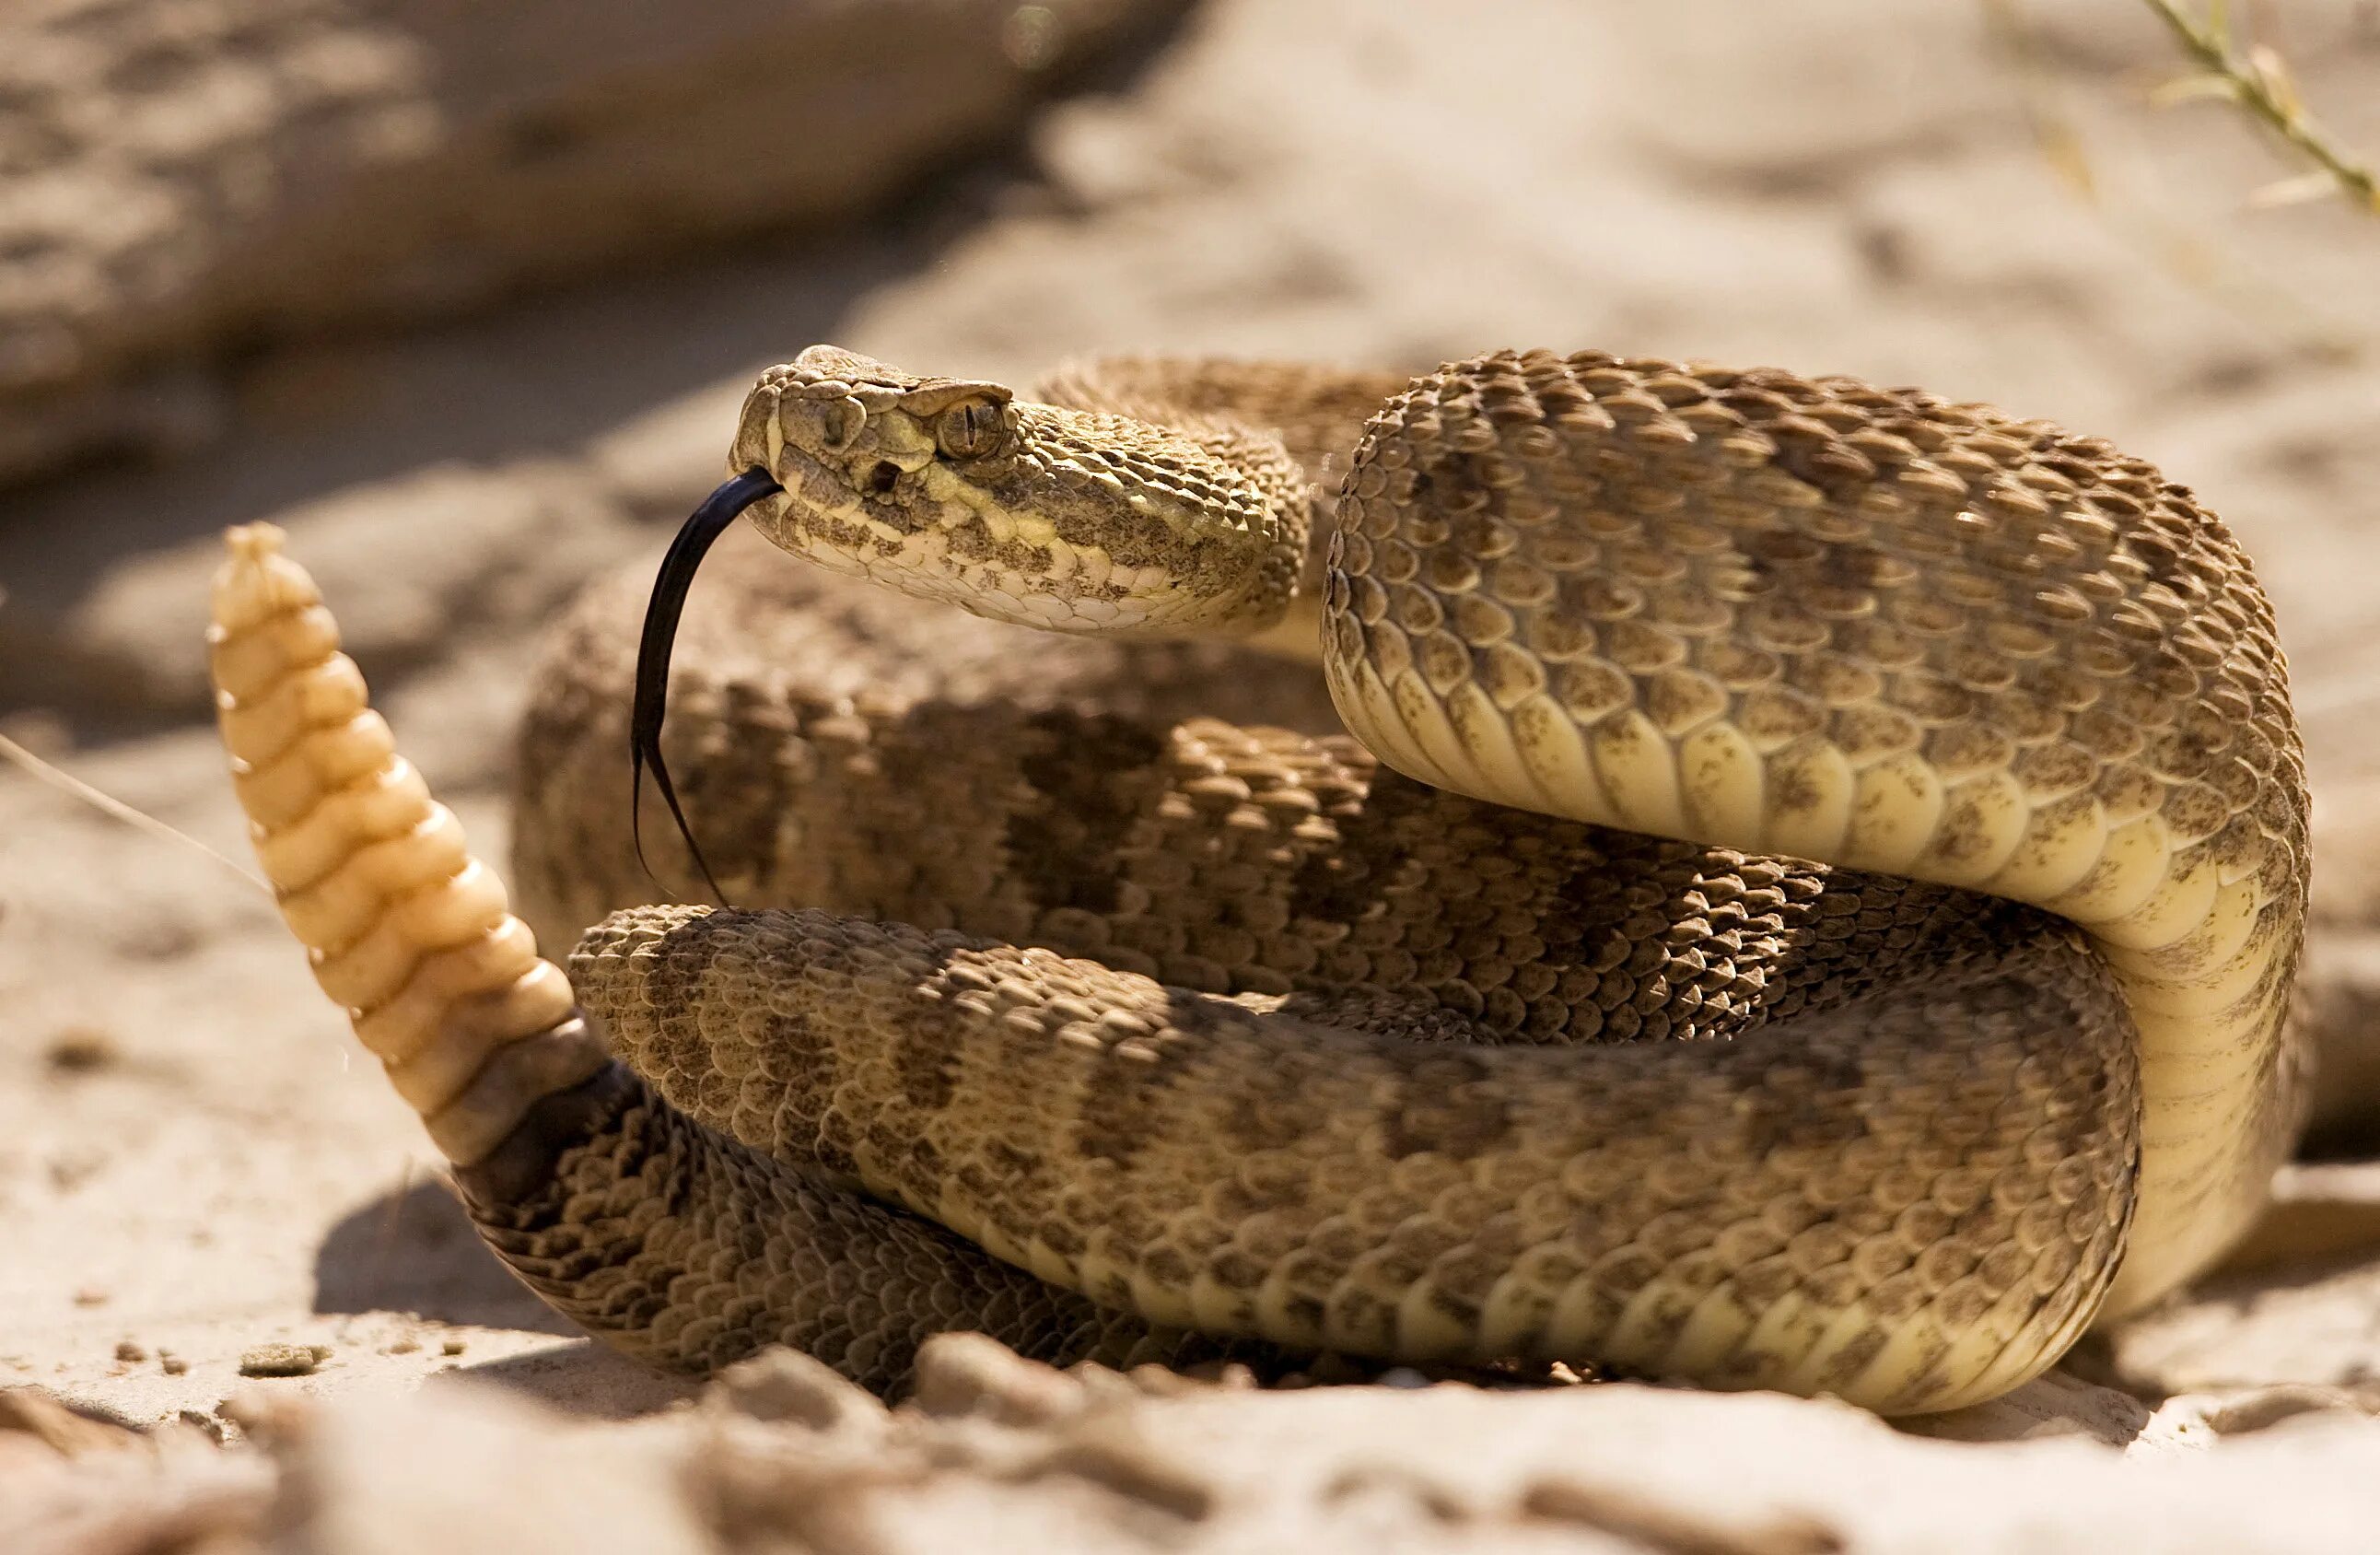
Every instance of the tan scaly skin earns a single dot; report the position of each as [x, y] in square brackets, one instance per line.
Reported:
[1235, 1030]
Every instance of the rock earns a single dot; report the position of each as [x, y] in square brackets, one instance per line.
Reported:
[69, 1433]
[1096, 1462]
[2058, 1404]
[192, 1499]
[2319, 1214]
[970, 1375]
[175, 177]
[281, 1360]
[469, 1472]
[1088, 1465]
[783, 1386]
[2258, 1409]
[73, 1482]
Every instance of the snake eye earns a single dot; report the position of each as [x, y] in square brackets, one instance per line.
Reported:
[973, 429]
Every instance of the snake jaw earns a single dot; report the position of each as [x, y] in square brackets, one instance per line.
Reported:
[842, 451]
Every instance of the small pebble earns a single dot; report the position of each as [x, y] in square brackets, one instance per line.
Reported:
[90, 1296]
[79, 1050]
[452, 1347]
[128, 1351]
[402, 1347]
[172, 1365]
[283, 1360]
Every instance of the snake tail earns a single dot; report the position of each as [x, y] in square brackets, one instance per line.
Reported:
[553, 1142]
[405, 928]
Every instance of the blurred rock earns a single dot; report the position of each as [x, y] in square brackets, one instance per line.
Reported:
[2346, 821]
[783, 1386]
[175, 179]
[472, 1471]
[2059, 1404]
[2318, 1214]
[1011, 1455]
[2339, 999]
[69, 1433]
[192, 1502]
[73, 1482]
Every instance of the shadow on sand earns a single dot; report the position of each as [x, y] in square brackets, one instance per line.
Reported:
[582, 1379]
[413, 1250]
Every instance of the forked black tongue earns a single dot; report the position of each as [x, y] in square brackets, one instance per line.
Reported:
[685, 552]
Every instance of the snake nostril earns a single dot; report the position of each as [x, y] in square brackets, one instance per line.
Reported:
[881, 478]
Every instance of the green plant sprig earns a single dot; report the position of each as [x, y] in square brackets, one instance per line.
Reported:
[2258, 80]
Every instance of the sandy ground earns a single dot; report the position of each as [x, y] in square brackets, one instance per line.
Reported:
[194, 1158]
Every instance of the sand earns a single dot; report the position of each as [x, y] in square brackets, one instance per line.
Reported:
[197, 1162]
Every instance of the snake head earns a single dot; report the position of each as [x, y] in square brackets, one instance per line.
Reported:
[850, 439]
[953, 488]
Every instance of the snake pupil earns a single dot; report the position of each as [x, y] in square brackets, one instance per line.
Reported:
[881, 478]
[969, 429]
[705, 525]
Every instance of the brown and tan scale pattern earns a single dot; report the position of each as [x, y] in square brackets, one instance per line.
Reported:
[1116, 959]
[1237, 1169]
[1815, 617]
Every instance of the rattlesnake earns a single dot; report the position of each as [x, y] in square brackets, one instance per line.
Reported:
[1128, 1032]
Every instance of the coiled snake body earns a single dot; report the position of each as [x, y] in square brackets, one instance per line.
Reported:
[1053, 1008]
